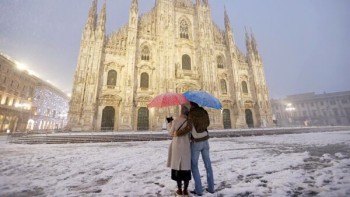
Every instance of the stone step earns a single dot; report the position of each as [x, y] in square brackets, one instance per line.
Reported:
[98, 138]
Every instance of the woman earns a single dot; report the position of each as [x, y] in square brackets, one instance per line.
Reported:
[179, 157]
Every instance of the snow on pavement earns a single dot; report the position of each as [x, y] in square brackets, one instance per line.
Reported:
[282, 165]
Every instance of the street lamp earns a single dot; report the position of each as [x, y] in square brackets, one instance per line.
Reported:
[290, 110]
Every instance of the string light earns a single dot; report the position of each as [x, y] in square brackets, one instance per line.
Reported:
[50, 109]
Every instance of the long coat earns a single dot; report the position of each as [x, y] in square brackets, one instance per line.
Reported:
[179, 155]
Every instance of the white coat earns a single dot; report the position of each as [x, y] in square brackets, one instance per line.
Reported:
[179, 155]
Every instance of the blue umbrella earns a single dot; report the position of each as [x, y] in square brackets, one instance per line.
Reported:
[203, 98]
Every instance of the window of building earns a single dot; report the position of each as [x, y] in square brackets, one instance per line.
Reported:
[7, 101]
[344, 101]
[223, 86]
[144, 80]
[186, 62]
[311, 104]
[324, 112]
[304, 113]
[347, 111]
[332, 102]
[220, 62]
[145, 53]
[338, 121]
[321, 103]
[335, 111]
[184, 29]
[244, 87]
[112, 78]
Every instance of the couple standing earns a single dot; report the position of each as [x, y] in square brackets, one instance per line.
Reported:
[190, 139]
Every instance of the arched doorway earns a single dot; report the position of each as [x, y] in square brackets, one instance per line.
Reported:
[249, 118]
[107, 122]
[226, 118]
[143, 119]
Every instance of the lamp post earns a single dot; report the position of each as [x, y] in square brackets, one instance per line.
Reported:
[290, 110]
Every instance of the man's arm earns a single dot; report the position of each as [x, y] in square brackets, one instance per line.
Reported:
[185, 130]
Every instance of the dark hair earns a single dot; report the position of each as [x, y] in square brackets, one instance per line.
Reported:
[184, 110]
[193, 104]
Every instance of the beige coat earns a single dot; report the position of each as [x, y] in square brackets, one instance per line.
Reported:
[179, 155]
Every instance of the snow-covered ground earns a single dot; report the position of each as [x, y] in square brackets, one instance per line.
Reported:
[312, 164]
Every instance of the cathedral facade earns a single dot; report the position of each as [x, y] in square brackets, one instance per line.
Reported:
[175, 47]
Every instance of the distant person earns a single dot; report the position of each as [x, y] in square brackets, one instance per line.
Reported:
[199, 117]
[179, 156]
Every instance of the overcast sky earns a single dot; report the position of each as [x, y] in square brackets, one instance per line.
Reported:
[305, 44]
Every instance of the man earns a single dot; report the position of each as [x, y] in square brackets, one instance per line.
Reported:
[200, 120]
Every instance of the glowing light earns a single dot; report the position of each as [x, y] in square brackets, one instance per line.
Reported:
[290, 107]
[23, 105]
[21, 66]
[33, 73]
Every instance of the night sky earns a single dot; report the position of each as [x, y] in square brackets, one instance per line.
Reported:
[305, 44]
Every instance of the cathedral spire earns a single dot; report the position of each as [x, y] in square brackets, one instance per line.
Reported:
[198, 2]
[91, 22]
[254, 44]
[102, 18]
[227, 20]
[205, 2]
[248, 42]
[134, 6]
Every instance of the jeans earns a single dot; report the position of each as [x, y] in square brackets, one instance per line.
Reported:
[196, 149]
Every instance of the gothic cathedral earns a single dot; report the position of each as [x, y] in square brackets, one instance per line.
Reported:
[175, 47]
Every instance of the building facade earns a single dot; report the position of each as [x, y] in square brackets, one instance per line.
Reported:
[27, 102]
[312, 109]
[175, 47]
[16, 94]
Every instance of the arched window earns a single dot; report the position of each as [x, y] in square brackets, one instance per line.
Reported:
[112, 78]
[244, 87]
[223, 86]
[145, 53]
[186, 62]
[144, 80]
[220, 62]
[184, 29]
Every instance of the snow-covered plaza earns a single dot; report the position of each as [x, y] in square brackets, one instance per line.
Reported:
[310, 164]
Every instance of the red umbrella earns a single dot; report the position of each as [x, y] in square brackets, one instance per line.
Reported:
[168, 99]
